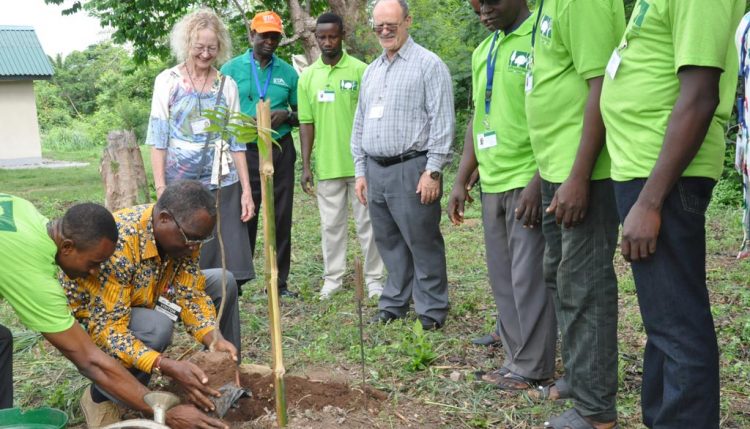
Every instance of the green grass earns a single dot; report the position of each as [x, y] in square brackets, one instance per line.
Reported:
[326, 334]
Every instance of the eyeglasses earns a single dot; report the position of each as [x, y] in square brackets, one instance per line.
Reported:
[189, 242]
[390, 27]
[200, 49]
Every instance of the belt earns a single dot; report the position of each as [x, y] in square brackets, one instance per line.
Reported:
[385, 161]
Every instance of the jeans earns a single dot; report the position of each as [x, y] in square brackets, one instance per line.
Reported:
[578, 261]
[6, 368]
[681, 361]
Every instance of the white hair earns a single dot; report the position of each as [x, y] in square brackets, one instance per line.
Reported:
[186, 30]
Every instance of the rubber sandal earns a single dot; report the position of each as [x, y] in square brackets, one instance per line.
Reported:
[544, 392]
[500, 372]
[513, 382]
[571, 419]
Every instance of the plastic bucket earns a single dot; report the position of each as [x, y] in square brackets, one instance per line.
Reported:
[37, 418]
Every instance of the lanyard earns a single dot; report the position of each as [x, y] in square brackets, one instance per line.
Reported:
[261, 94]
[536, 24]
[491, 61]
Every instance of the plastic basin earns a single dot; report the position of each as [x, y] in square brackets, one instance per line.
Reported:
[37, 418]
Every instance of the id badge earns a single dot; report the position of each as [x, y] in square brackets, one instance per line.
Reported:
[613, 64]
[326, 96]
[376, 111]
[529, 85]
[168, 308]
[486, 140]
[199, 125]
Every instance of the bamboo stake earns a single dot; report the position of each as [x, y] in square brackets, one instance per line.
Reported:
[359, 296]
[265, 149]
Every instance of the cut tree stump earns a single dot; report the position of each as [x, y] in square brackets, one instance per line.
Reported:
[122, 172]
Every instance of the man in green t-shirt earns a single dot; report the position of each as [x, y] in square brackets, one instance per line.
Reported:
[261, 75]
[666, 100]
[572, 42]
[31, 249]
[497, 141]
[327, 94]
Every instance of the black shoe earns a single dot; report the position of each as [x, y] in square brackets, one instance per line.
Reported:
[384, 317]
[429, 324]
[284, 292]
[489, 340]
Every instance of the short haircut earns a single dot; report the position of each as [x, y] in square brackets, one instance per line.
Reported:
[402, 3]
[331, 18]
[87, 224]
[187, 28]
[185, 197]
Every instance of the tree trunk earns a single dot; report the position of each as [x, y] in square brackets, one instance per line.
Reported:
[354, 13]
[122, 172]
[304, 30]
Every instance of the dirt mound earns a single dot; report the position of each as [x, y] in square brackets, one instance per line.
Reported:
[301, 394]
[305, 396]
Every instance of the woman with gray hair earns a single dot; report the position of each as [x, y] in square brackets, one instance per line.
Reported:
[181, 147]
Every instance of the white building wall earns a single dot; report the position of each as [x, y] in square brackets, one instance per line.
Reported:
[19, 129]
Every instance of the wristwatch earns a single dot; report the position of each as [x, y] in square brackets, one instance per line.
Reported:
[435, 175]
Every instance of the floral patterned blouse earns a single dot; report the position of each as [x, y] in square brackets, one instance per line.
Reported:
[176, 112]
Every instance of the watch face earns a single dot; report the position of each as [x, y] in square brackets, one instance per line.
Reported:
[435, 175]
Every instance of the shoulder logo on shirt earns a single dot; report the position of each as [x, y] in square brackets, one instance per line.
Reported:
[545, 28]
[280, 81]
[7, 222]
[639, 15]
[349, 85]
[519, 61]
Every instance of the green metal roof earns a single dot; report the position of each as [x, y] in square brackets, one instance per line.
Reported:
[21, 54]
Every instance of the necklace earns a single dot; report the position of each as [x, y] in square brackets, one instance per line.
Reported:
[205, 80]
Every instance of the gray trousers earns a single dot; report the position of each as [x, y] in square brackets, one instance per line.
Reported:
[526, 311]
[578, 261]
[408, 237]
[155, 329]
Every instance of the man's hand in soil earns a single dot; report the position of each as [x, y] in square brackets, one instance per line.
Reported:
[189, 417]
[216, 343]
[192, 379]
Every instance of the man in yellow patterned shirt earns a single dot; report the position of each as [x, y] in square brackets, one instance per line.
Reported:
[150, 282]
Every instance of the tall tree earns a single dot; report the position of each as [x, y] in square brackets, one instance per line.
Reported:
[143, 22]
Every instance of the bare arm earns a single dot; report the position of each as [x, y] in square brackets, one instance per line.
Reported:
[687, 128]
[306, 136]
[460, 192]
[158, 163]
[571, 200]
[246, 200]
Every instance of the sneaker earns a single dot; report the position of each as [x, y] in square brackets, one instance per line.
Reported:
[328, 290]
[98, 415]
[374, 290]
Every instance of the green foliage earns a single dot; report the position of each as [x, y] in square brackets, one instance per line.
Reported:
[73, 137]
[52, 110]
[418, 348]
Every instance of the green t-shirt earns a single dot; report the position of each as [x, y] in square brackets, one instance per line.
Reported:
[328, 99]
[282, 90]
[28, 274]
[573, 43]
[506, 160]
[662, 36]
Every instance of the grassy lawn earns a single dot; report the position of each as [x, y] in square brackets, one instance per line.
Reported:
[326, 335]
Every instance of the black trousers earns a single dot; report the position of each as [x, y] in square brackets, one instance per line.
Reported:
[6, 368]
[284, 158]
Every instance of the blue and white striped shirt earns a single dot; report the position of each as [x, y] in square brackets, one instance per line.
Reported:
[405, 104]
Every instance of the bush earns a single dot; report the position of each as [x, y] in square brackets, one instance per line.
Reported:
[68, 138]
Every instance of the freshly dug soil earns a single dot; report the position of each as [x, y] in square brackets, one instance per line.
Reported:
[303, 395]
